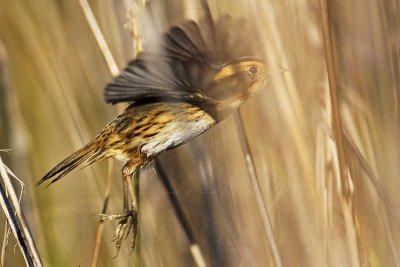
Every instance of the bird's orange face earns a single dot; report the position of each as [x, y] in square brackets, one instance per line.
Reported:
[238, 81]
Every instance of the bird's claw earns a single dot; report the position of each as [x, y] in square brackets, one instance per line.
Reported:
[128, 222]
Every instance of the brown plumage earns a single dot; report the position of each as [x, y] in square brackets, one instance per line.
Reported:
[126, 137]
[193, 78]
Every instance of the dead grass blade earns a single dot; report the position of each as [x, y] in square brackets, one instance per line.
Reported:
[16, 219]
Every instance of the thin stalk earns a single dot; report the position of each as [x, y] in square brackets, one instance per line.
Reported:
[257, 190]
[376, 186]
[180, 214]
[333, 90]
[98, 35]
[16, 220]
[7, 233]
[112, 65]
[137, 235]
[372, 177]
[15, 227]
[100, 229]
[346, 184]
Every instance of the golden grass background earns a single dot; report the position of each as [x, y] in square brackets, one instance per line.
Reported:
[52, 74]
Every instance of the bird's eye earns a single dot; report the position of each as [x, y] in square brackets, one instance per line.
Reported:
[253, 70]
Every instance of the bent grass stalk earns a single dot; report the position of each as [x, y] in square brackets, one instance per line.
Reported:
[16, 219]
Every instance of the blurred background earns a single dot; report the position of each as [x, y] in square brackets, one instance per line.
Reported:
[51, 77]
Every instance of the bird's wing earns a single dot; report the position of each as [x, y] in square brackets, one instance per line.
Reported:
[182, 65]
[148, 76]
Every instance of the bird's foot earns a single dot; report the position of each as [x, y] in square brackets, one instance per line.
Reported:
[128, 222]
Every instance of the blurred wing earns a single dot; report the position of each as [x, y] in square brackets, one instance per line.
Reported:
[144, 78]
[187, 42]
[183, 64]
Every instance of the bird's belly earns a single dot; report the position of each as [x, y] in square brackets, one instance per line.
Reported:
[174, 134]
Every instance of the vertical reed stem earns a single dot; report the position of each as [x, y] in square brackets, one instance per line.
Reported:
[333, 90]
[180, 214]
[257, 190]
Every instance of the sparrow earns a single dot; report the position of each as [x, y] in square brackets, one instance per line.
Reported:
[195, 76]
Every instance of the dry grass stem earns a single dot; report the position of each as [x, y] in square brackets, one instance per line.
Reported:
[99, 37]
[16, 219]
[257, 190]
[333, 89]
[114, 71]
[100, 227]
[7, 230]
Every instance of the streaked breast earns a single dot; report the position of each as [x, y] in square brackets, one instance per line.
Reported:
[177, 132]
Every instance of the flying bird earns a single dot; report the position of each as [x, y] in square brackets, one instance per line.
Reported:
[196, 75]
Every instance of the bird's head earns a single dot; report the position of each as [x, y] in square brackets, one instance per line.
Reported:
[236, 81]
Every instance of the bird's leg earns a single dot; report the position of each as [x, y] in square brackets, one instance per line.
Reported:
[112, 217]
[133, 220]
[129, 217]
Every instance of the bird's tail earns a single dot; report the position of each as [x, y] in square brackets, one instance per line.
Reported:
[89, 154]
